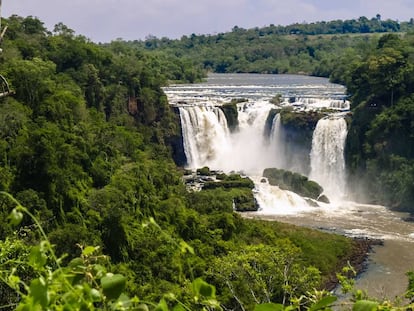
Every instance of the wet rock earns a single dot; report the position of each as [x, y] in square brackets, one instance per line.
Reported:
[324, 199]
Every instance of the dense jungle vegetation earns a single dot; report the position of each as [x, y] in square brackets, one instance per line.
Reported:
[380, 141]
[86, 165]
[86, 149]
[299, 48]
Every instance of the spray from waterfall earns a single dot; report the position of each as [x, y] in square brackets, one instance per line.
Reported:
[327, 156]
[205, 134]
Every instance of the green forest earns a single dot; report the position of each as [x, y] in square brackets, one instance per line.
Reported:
[94, 213]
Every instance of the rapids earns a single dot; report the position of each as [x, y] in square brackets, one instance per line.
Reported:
[250, 149]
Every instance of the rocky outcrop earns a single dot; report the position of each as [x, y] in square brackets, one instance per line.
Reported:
[231, 113]
[294, 182]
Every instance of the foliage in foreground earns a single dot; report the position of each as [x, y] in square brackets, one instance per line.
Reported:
[85, 282]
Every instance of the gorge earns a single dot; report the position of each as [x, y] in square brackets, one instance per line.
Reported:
[267, 133]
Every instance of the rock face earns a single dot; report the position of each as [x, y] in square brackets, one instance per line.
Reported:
[294, 182]
[294, 136]
[176, 142]
[230, 111]
[298, 127]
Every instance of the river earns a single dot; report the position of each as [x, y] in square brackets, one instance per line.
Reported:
[208, 142]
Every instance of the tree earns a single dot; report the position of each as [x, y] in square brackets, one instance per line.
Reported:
[262, 274]
[31, 79]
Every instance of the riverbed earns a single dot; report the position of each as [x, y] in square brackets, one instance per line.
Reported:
[387, 264]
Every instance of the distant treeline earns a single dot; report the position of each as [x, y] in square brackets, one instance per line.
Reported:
[308, 48]
[360, 25]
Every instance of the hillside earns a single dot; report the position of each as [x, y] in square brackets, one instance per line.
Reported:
[86, 158]
[86, 165]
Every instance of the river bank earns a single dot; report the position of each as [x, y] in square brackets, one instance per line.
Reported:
[381, 268]
[357, 259]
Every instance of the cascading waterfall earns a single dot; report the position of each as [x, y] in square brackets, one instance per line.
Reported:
[208, 142]
[249, 148]
[277, 143]
[188, 133]
[256, 144]
[327, 156]
[205, 134]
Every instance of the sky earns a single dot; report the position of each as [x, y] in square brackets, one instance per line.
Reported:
[107, 20]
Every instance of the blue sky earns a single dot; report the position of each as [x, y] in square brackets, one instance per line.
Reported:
[106, 20]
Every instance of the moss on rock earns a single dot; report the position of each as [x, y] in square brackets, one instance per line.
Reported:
[294, 182]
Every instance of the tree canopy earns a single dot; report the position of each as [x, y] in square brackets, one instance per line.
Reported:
[86, 151]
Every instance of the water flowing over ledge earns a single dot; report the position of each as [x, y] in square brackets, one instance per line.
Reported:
[208, 140]
[260, 140]
[327, 156]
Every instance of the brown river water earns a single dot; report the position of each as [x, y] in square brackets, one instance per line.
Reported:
[387, 264]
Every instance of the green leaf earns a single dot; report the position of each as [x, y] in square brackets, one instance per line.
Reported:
[162, 306]
[99, 271]
[113, 285]
[89, 250]
[95, 295]
[202, 288]
[178, 307]
[13, 281]
[39, 292]
[15, 217]
[142, 307]
[365, 305]
[269, 307]
[186, 248]
[123, 302]
[323, 303]
[37, 257]
[77, 264]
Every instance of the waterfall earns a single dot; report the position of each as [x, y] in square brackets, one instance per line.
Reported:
[208, 141]
[275, 201]
[327, 156]
[205, 134]
[260, 140]
[277, 143]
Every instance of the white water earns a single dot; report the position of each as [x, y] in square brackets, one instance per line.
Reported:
[208, 142]
[205, 134]
[327, 156]
[277, 142]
